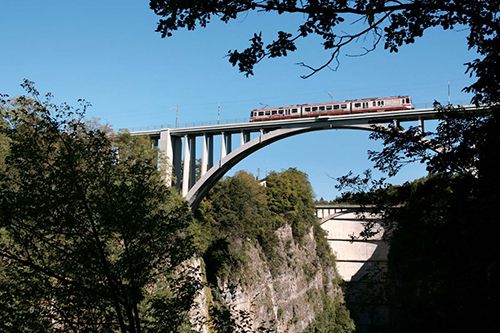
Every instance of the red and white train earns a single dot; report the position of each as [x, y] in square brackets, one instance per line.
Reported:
[333, 108]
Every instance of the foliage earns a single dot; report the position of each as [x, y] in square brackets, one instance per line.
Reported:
[171, 308]
[87, 228]
[452, 148]
[236, 208]
[443, 271]
[333, 311]
[224, 320]
[323, 249]
[290, 196]
[458, 269]
[239, 208]
[4, 141]
[394, 22]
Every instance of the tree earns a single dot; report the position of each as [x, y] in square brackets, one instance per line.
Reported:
[392, 22]
[443, 272]
[4, 142]
[290, 195]
[236, 208]
[89, 234]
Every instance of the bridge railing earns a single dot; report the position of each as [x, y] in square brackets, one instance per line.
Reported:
[191, 124]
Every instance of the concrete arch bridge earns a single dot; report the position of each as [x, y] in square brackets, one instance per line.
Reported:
[178, 145]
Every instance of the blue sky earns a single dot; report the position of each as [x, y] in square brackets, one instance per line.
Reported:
[109, 53]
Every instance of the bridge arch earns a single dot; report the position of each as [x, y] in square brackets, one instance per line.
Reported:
[175, 142]
[209, 179]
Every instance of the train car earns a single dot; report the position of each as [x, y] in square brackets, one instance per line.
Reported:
[333, 108]
[284, 112]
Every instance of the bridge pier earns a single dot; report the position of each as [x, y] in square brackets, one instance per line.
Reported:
[176, 161]
[186, 176]
[226, 144]
[244, 137]
[421, 125]
[166, 150]
[207, 153]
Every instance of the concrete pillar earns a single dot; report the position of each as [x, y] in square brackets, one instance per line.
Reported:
[177, 160]
[421, 125]
[229, 144]
[223, 149]
[210, 146]
[207, 153]
[187, 161]
[204, 155]
[244, 137]
[192, 163]
[166, 155]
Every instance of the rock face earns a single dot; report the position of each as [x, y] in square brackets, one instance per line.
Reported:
[268, 264]
[285, 295]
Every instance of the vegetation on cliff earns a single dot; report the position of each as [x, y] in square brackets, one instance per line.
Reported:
[239, 208]
[240, 219]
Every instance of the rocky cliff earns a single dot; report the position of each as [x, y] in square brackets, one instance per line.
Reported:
[276, 276]
[288, 300]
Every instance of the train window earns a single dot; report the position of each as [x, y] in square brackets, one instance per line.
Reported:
[328, 107]
[357, 105]
[314, 108]
[268, 113]
[403, 101]
[343, 106]
[322, 108]
[307, 109]
[261, 113]
[294, 110]
[280, 111]
[274, 112]
[336, 107]
[407, 100]
[374, 104]
[381, 102]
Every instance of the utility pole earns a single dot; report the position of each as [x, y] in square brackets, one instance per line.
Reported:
[449, 94]
[218, 113]
[177, 116]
